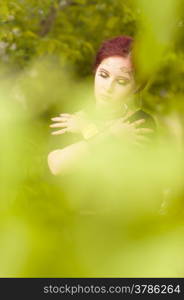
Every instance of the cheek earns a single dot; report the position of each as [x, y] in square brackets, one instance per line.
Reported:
[123, 90]
[99, 83]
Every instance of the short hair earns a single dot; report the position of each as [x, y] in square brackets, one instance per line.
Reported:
[117, 46]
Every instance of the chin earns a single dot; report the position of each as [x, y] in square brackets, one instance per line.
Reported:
[103, 104]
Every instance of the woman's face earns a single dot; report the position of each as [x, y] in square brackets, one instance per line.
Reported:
[114, 81]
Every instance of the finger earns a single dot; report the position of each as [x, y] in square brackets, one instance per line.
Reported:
[128, 115]
[56, 119]
[59, 119]
[66, 115]
[144, 130]
[121, 123]
[138, 122]
[59, 131]
[58, 125]
[127, 122]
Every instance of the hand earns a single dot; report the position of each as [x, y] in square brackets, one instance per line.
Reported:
[75, 123]
[129, 131]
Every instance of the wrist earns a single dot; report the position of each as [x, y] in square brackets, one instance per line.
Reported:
[90, 131]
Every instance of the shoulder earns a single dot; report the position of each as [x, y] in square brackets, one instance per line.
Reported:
[149, 119]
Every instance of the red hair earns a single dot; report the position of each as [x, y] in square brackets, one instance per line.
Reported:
[118, 46]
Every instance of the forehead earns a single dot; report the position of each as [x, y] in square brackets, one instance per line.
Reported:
[117, 64]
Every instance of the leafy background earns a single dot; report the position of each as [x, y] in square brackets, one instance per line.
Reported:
[123, 218]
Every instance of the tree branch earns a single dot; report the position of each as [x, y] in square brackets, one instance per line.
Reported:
[48, 22]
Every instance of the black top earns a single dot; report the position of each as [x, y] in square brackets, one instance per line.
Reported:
[140, 114]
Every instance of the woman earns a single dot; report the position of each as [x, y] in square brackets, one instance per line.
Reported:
[116, 112]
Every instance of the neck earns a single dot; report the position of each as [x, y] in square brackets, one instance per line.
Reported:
[117, 111]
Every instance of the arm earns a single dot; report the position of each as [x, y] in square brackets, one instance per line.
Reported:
[65, 160]
[62, 161]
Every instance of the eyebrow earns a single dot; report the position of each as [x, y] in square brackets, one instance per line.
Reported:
[119, 77]
[101, 69]
[125, 70]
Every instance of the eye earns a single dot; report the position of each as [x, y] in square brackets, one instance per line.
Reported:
[123, 81]
[103, 74]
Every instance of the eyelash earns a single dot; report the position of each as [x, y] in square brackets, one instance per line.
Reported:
[103, 75]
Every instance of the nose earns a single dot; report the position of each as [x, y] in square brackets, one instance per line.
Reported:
[109, 86]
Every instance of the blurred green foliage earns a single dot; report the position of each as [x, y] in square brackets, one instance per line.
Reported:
[121, 214]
